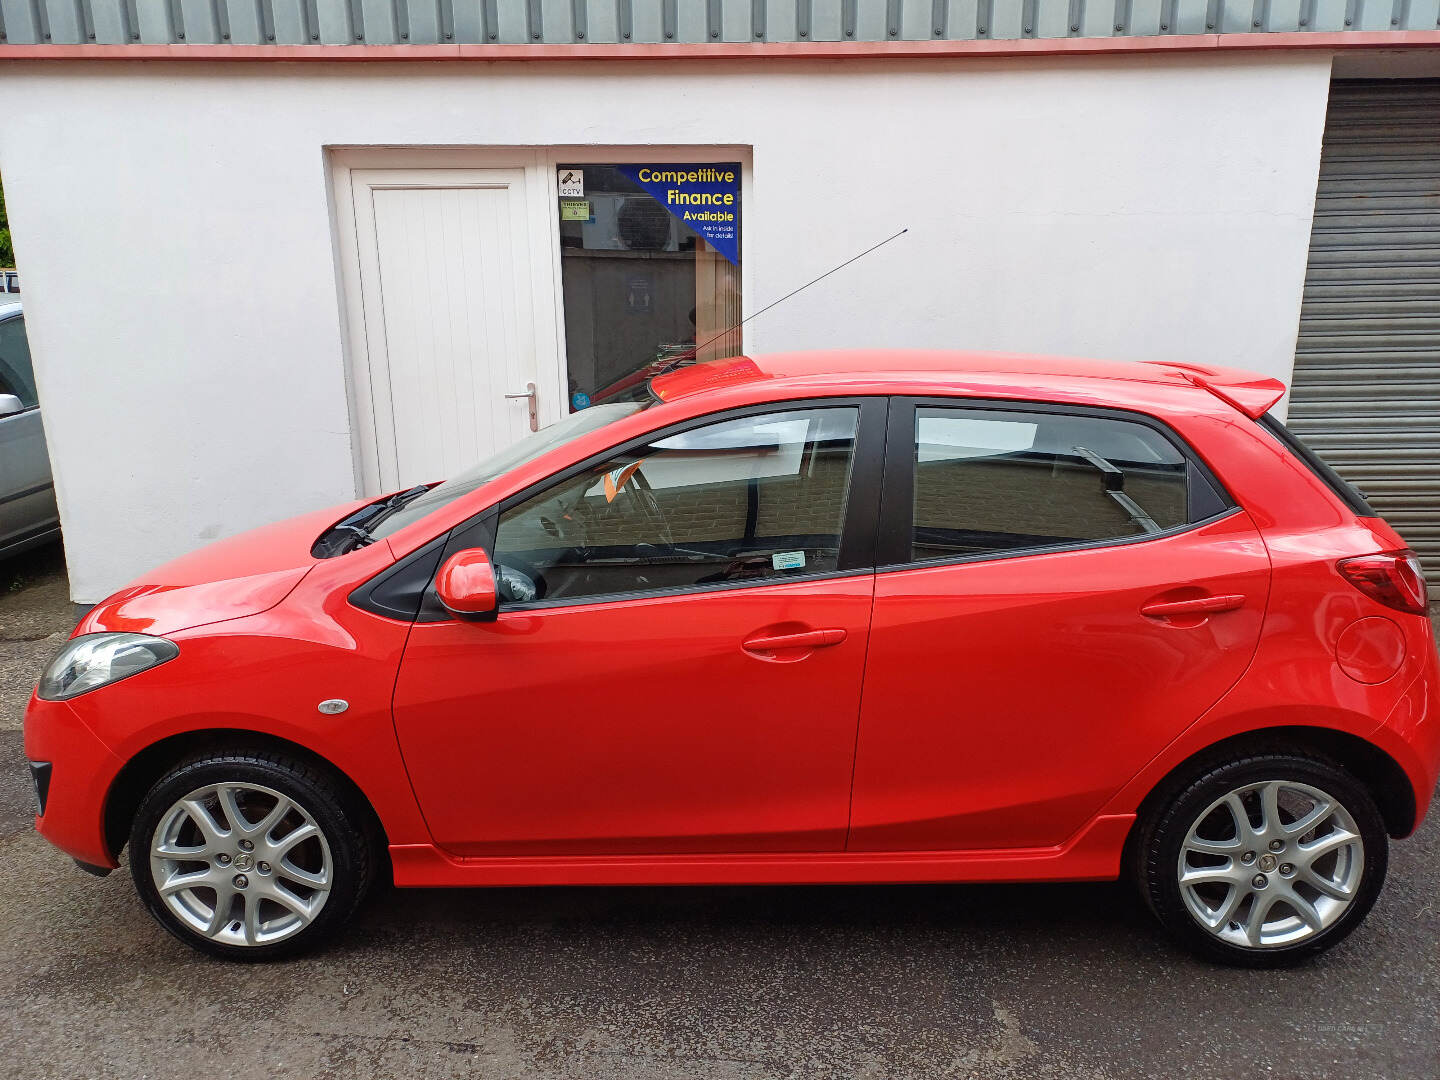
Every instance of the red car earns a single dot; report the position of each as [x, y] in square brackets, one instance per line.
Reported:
[842, 617]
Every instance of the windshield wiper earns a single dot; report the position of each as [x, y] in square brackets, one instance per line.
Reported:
[1113, 479]
[354, 531]
[394, 502]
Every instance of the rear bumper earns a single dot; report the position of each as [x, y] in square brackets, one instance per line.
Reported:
[81, 770]
[1411, 733]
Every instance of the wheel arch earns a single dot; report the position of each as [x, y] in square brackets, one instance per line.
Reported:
[1381, 774]
[148, 765]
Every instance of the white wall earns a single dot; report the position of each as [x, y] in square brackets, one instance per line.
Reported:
[1143, 207]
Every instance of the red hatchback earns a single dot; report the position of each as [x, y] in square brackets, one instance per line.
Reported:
[843, 617]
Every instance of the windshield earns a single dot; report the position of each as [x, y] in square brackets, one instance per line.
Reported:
[513, 456]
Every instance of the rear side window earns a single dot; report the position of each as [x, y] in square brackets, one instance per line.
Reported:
[1347, 492]
[16, 375]
[990, 481]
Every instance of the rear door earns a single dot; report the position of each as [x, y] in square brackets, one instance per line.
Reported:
[676, 665]
[1061, 592]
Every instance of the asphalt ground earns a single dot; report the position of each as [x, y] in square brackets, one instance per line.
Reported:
[880, 983]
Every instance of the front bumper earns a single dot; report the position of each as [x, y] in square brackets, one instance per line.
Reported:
[40, 782]
[81, 769]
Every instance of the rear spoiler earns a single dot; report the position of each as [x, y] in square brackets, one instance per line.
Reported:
[1254, 395]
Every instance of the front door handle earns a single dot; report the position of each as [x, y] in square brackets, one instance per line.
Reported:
[805, 640]
[533, 404]
[1200, 605]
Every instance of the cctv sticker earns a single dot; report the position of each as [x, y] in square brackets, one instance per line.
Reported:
[788, 560]
[572, 183]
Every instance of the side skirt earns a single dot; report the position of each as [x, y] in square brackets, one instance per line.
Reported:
[1091, 855]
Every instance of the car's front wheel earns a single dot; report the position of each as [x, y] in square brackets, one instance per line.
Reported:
[1265, 861]
[250, 856]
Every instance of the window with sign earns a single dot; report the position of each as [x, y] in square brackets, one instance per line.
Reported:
[650, 270]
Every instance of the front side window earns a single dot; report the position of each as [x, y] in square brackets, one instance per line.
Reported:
[16, 375]
[754, 499]
[991, 481]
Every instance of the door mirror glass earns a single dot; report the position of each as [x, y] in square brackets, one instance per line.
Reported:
[466, 585]
[10, 405]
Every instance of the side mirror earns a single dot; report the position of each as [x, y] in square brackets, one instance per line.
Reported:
[10, 405]
[466, 585]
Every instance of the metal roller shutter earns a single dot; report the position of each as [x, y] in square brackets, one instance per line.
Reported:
[1366, 393]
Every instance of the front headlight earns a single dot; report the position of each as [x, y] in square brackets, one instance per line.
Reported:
[95, 660]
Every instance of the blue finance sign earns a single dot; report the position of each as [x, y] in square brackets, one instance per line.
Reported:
[704, 197]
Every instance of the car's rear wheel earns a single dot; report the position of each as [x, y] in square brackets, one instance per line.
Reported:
[250, 856]
[1265, 861]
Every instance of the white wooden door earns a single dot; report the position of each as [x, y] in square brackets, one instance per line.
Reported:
[451, 271]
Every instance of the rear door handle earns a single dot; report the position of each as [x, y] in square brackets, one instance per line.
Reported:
[807, 639]
[1200, 605]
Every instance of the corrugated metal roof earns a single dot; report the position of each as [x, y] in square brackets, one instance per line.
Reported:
[677, 22]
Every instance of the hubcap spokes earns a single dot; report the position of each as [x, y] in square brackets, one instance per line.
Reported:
[1271, 864]
[241, 864]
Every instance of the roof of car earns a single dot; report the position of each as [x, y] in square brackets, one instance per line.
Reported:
[1251, 393]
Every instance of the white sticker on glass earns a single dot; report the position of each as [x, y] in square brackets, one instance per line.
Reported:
[788, 560]
[572, 183]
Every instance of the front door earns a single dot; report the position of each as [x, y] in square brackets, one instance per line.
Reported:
[1068, 591]
[677, 662]
[458, 357]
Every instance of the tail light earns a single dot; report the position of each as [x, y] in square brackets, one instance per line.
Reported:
[1394, 578]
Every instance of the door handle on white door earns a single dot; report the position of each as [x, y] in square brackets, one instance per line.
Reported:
[530, 393]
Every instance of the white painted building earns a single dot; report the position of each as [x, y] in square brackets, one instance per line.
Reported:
[261, 279]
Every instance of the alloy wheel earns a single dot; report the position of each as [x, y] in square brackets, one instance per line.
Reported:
[1271, 864]
[241, 864]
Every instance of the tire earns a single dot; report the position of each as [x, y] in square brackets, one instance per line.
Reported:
[232, 901]
[1317, 887]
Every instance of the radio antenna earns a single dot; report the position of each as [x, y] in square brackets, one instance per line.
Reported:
[695, 352]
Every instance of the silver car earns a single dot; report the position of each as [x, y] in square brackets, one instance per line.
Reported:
[27, 494]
